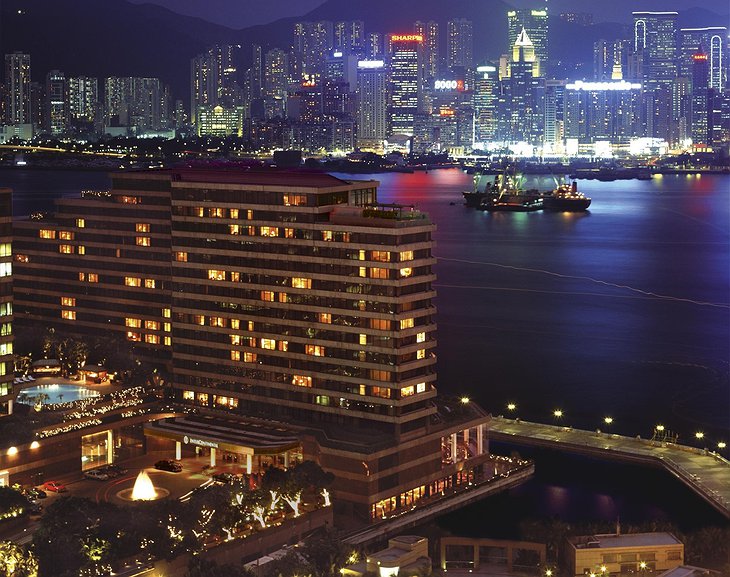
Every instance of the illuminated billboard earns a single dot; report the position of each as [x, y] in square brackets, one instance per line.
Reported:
[457, 85]
[407, 38]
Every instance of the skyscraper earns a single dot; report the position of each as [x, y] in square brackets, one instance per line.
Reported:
[535, 23]
[313, 41]
[83, 98]
[140, 104]
[459, 44]
[405, 82]
[701, 99]
[431, 48]
[17, 88]
[486, 90]
[372, 103]
[713, 41]
[56, 105]
[213, 79]
[349, 37]
[276, 82]
[655, 41]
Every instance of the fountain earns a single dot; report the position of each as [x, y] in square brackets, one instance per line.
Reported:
[143, 490]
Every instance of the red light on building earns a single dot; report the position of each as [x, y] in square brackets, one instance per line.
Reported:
[460, 85]
[446, 112]
[407, 38]
[699, 57]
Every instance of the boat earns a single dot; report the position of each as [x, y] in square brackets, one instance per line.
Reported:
[507, 196]
[526, 205]
[566, 198]
[482, 191]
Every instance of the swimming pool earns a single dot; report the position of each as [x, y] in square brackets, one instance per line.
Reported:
[57, 393]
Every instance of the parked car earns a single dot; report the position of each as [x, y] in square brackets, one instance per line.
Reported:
[96, 475]
[34, 493]
[168, 465]
[113, 470]
[225, 478]
[54, 486]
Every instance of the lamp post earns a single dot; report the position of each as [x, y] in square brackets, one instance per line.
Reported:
[558, 414]
[608, 421]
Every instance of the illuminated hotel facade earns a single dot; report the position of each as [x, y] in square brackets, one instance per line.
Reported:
[288, 299]
[7, 364]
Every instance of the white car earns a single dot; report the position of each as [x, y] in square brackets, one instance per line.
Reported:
[96, 475]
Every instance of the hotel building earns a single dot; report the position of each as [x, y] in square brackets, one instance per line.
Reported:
[7, 364]
[292, 311]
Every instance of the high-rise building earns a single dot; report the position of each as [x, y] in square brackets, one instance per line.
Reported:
[655, 41]
[83, 98]
[294, 301]
[139, 104]
[405, 82]
[313, 41]
[611, 60]
[372, 104]
[17, 88]
[375, 46]
[554, 132]
[349, 37]
[522, 95]
[713, 41]
[276, 81]
[701, 99]
[220, 121]
[7, 362]
[603, 111]
[431, 48]
[459, 44]
[56, 105]
[486, 98]
[535, 23]
[213, 79]
[579, 18]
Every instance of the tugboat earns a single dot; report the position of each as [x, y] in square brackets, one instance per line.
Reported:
[566, 198]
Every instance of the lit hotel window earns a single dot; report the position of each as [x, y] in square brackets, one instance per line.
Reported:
[132, 281]
[129, 199]
[406, 255]
[235, 324]
[181, 257]
[68, 302]
[92, 277]
[82, 249]
[421, 388]
[143, 241]
[217, 212]
[249, 357]
[283, 298]
[166, 313]
[301, 381]
[45, 233]
[382, 392]
[198, 211]
[133, 336]
[133, 323]
[327, 235]
[363, 339]
[80, 222]
[421, 354]
[6, 269]
[235, 277]
[142, 227]
[65, 235]
[315, 350]
[168, 341]
[152, 339]
[325, 318]
[234, 229]
[270, 231]
[21, 257]
[302, 283]
[381, 255]
[288, 233]
[267, 296]
[167, 327]
[188, 395]
[406, 324]
[68, 315]
[217, 322]
[407, 391]
[235, 339]
[249, 214]
[283, 346]
[214, 274]
[149, 283]
[233, 212]
[269, 344]
[199, 319]
[406, 272]
[235, 355]
[65, 249]
[380, 324]
[421, 338]
[152, 325]
[295, 199]
[376, 272]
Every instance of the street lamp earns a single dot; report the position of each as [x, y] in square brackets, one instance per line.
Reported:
[548, 573]
[464, 400]
[511, 407]
[608, 421]
[699, 435]
[721, 445]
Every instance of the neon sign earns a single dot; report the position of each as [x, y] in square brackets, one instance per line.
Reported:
[449, 85]
[407, 38]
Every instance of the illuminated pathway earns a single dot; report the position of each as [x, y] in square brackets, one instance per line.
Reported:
[705, 472]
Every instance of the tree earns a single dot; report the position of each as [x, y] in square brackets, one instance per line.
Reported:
[12, 502]
[15, 561]
[325, 553]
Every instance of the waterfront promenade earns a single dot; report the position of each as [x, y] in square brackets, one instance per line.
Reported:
[705, 472]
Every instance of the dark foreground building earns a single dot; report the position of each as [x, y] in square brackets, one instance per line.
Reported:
[291, 311]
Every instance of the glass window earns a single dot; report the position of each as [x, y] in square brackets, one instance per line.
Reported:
[65, 235]
[65, 249]
[69, 315]
[68, 301]
[407, 324]
[302, 283]
[132, 281]
[215, 274]
[45, 233]
[181, 257]
[314, 350]
[142, 227]
[301, 381]
[149, 283]
[80, 222]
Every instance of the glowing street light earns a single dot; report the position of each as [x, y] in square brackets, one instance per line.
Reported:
[721, 445]
[608, 420]
[549, 573]
[557, 413]
[699, 435]
[464, 400]
[511, 407]
[660, 428]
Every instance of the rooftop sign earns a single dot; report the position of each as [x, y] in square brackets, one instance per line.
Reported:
[407, 38]
[619, 85]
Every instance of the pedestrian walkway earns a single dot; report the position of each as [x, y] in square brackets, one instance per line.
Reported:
[705, 472]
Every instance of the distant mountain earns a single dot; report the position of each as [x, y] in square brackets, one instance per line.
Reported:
[115, 37]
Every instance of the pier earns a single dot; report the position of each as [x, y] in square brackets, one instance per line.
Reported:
[704, 472]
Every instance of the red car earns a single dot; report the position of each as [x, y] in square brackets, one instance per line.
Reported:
[54, 486]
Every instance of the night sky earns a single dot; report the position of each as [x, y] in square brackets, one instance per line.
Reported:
[242, 13]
